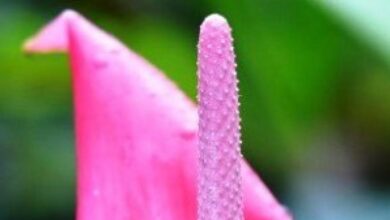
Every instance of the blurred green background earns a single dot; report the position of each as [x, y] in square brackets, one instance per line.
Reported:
[315, 86]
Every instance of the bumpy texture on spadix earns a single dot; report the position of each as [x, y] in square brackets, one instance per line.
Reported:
[136, 133]
[219, 186]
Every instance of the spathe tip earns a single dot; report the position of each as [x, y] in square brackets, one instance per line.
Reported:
[53, 36]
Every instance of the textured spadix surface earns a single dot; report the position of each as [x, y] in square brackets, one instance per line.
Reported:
[219, 187]
[136, 133]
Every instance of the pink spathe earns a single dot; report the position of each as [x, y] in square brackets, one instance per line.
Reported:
[136, 132]
[219, 185]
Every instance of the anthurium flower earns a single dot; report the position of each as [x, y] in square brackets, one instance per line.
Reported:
[136, 132]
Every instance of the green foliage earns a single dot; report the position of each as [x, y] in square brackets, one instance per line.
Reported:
[369, 20]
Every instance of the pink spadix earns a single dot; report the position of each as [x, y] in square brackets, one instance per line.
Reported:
[220, 181]
[136, 132]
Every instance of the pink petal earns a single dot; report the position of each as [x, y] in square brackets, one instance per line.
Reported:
[136, 132]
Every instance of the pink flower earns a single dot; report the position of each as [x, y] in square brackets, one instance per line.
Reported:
[136, 133]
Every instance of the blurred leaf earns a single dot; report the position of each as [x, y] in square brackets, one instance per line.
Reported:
[370, 20]
[288, 56]
[35, 125]
[31, 88]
